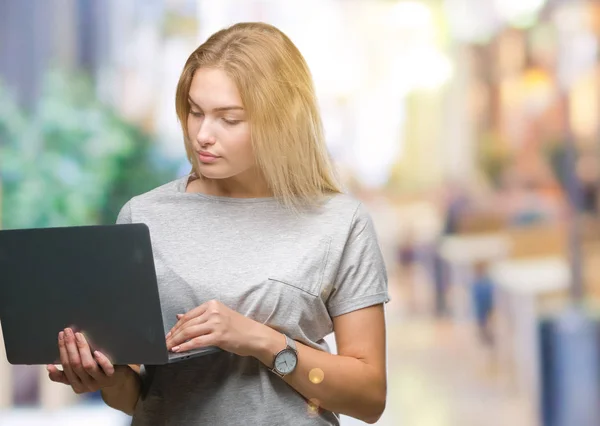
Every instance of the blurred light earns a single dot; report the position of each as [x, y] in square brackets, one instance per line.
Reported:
[313, 407]
[471, 20]
[416, 62]
[519, 12]
[436, 70]
[421, 68]
[411, 14]
[583, 108]
[537, 90]
[577, 56]
[537, 79]
[316, 376]
[577, 43]
[378, 137]
[570, 18]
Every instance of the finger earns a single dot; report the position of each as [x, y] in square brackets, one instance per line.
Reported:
[191, 331]
[56, 375]
[75, 359]
[64, 360]
[184, 332]
[195, 343]
[179, 316]
[184, 318]
[88, 363]
[104, 363]
[189, 316]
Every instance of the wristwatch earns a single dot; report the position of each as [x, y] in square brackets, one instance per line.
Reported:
[286, 360]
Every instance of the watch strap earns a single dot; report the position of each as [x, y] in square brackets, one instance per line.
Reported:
[290, 343]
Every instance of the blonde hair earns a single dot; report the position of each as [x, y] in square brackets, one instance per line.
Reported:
[277, 91]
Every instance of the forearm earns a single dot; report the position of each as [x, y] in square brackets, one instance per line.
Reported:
[340, 384]
[124, 397]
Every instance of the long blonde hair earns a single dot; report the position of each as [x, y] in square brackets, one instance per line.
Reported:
[277, 91]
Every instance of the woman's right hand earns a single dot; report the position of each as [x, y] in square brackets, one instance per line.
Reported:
[82, 370]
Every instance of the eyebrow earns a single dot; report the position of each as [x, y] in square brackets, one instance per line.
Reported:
[223, 108]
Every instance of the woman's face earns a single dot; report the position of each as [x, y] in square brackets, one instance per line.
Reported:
[218, 128]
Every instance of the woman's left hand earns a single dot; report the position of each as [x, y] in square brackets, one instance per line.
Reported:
[214, 324]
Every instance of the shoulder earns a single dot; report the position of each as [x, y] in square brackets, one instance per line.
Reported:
[150, 198]
[346, 207]
[344, 214]
[158, 192]
[155, 195]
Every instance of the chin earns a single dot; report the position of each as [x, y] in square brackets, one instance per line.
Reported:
[214, 173]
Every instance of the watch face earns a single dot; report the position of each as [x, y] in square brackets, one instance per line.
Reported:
[286, 361]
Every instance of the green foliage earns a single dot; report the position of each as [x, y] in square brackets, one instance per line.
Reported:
[72, 161]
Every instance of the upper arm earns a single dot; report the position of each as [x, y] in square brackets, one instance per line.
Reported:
[361, 277]
[361, 334]
[357, 303]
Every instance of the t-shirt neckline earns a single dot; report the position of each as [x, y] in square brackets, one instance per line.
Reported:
[184, 181]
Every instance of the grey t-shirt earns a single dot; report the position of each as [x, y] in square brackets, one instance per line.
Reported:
[291, 271]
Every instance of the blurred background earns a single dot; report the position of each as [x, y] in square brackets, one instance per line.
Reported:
[470, 129]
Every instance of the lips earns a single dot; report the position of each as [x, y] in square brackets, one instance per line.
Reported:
[207, 157]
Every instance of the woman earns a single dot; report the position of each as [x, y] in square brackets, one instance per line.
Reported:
[256, 252]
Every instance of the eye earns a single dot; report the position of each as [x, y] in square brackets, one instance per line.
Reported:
[196, 113]
[231, 122]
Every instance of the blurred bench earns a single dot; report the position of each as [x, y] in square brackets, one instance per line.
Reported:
[480, 222]
[530, 267]
[523, 289]
[534, 277]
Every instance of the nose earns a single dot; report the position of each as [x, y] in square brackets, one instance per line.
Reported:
[205, 137]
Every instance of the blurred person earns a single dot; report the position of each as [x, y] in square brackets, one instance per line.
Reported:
[257, 252]
[482, 295]
[588, 175]
[407, 262]
[407, 252]
[455, 204]
[440, 274]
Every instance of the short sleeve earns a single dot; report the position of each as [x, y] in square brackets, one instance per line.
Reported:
[125, 214]
[361, 280]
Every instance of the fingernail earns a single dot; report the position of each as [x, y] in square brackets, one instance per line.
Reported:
[97, 354]
[175, 349]
[168, 335]
[179, 316]
[61, 335]
[79, 337]
[68, 332]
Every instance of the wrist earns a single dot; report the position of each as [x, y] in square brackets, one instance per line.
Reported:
[267, 344]
[122, 375]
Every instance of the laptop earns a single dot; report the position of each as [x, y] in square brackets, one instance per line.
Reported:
[100, 280]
